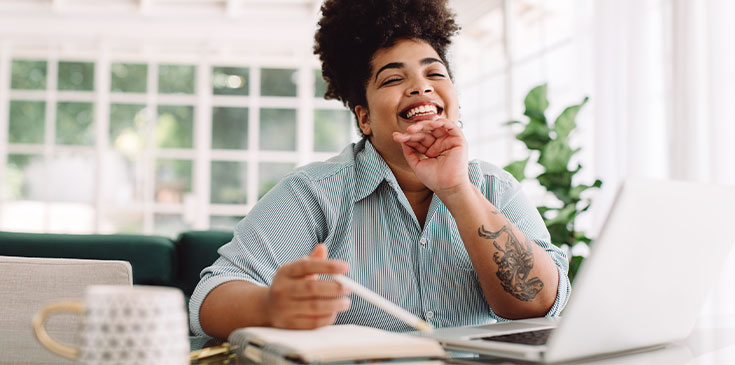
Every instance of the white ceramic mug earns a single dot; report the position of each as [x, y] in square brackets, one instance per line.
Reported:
[123, 325]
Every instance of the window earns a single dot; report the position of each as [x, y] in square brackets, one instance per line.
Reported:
[505, 53]
[134, 145]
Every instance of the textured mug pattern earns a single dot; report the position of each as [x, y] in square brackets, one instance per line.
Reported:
[134, 325]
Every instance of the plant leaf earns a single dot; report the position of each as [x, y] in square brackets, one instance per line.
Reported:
[542, 210]
[565, 123]
[555, 156]
[535, 135]
[581, 237]
[559, 234]
[574, 265]
[565, 215]
[517, 169]
[576, 191]
[587, 206]
[511, 122]
[536, 103]
[557, 183]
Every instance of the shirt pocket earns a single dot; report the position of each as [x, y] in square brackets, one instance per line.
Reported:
[460, 257]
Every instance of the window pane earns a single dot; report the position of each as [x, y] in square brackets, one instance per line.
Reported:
[278, 129]
[224, 222]
[176, 79]
[128, 77]
[68, 177]
[71, 218]
[127, 127]
[278, 82]
[331, 130]
[74, 123]
[320, 86]
[23, 216]
[76, 76]
[230, 80]
[270, 173]
[121, 221]
[16, 184]
[169, 224]
[173, 180]
[527, 27]
[123, 180]
[28, 75]
[175, 126]
[27, 121]
[229, 182]
[230, 128]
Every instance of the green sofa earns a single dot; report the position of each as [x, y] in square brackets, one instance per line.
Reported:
[156, 260]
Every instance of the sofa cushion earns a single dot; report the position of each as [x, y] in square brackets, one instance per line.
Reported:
[197, 250]
[152, 257]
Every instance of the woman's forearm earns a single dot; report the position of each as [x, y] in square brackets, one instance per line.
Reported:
[518, 277]
[233, 305]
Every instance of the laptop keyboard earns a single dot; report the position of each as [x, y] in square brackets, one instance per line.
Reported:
[526, 338]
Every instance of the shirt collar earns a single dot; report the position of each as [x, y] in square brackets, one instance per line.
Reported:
[370, 170]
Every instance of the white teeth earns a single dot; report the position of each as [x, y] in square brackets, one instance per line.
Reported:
[420, 110]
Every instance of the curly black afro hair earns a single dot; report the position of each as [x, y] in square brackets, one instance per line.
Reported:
[351, 31]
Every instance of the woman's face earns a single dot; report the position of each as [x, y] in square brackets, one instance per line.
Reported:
[409, 83]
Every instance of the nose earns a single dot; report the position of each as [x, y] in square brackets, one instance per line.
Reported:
[420, 88]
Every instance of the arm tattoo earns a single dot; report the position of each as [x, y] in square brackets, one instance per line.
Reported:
[515, 262]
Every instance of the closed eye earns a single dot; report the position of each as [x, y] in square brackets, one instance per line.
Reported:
[390, 81]
[437, 75]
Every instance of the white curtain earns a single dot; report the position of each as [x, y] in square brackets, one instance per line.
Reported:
[664, 97]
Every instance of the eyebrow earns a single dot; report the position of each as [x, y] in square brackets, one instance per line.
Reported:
[423, 62]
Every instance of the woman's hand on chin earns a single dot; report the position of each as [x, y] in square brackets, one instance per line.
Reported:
[436, 150]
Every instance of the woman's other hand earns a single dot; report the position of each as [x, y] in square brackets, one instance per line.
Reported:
[437, 152]
[297, 299]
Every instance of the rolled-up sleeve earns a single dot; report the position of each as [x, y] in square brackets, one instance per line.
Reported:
[513, 203]
[285, 225]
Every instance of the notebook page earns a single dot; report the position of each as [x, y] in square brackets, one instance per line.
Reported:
[344, 342]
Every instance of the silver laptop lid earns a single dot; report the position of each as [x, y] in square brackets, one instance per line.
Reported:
[650, 269]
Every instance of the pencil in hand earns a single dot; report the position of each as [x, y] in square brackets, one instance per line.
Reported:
[384, 304]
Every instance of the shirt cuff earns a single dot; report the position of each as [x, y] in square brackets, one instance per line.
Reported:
[562, 294]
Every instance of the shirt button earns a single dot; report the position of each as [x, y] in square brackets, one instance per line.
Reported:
[422, 241]
[429, 315]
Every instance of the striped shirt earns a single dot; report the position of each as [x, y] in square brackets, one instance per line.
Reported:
[353, 203]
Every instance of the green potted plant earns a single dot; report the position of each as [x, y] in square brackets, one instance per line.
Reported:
[548, 145]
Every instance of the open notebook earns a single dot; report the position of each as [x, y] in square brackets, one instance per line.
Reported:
[331, 344]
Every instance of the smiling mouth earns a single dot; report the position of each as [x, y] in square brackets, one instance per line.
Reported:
[421, 112]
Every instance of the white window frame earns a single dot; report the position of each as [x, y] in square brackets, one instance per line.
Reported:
[196, 208]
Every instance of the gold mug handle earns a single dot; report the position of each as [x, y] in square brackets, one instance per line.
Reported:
[39, 328]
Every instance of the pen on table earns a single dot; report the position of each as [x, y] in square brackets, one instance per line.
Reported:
[384, 304]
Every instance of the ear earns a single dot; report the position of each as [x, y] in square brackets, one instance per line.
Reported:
[363, 120]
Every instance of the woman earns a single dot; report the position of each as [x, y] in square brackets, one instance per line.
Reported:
[402, 212]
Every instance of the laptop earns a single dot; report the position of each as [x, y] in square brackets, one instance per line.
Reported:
[659, 252]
